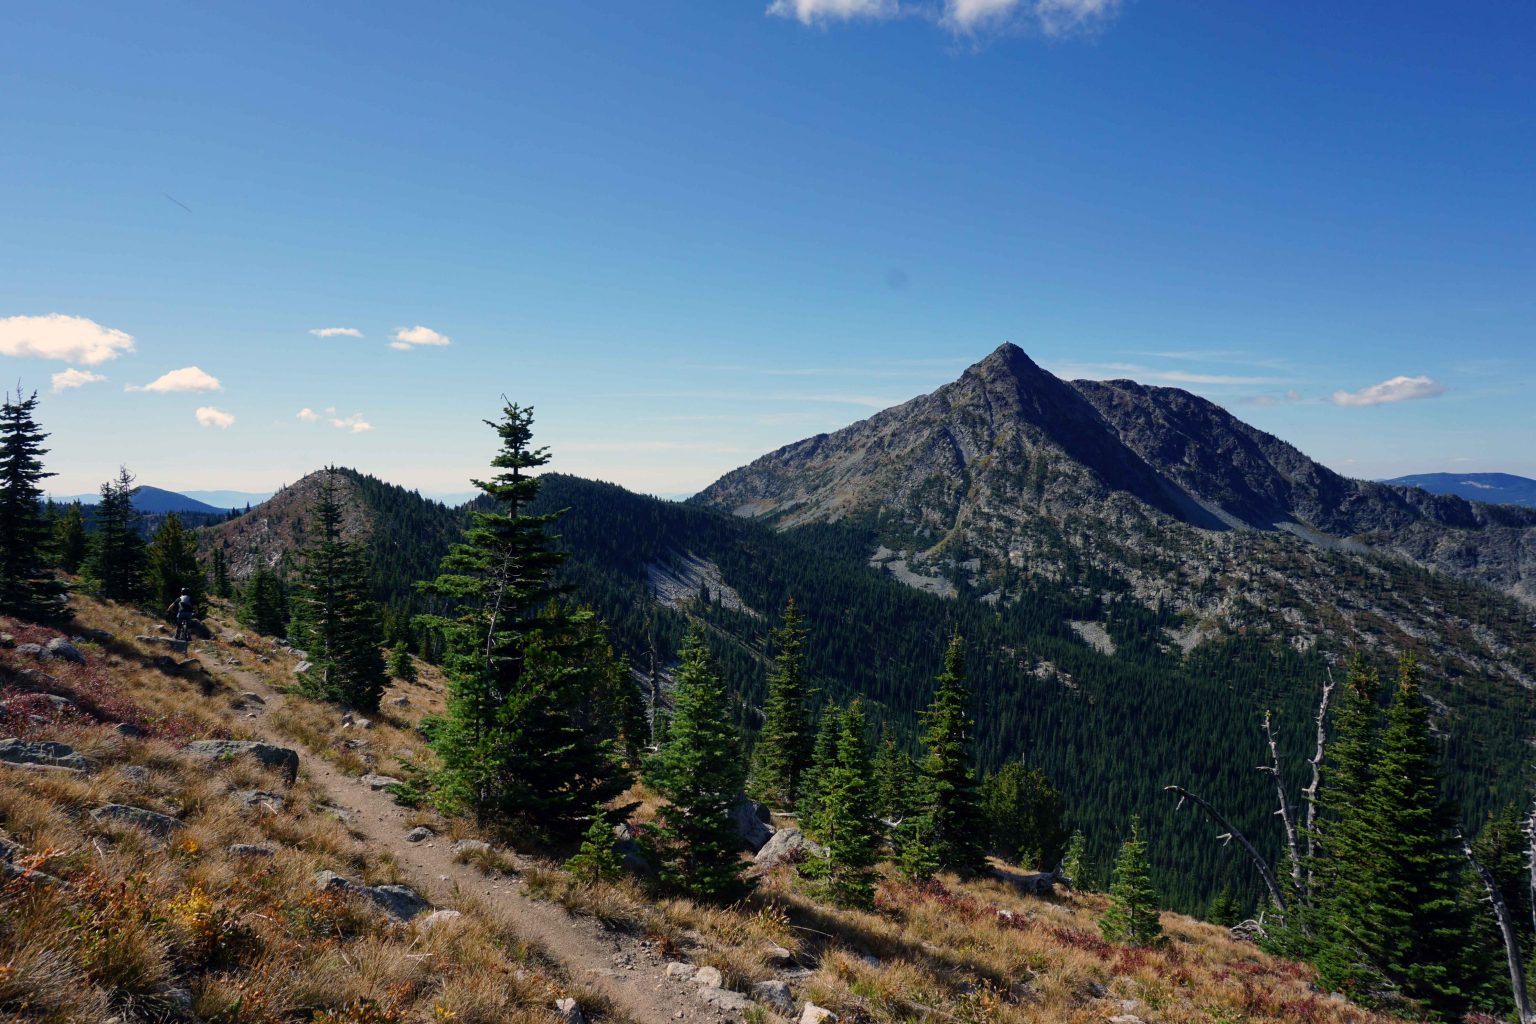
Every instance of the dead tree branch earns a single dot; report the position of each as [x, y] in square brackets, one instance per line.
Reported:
[1293, 848]
[1242, 840]
[1310, 793]
[1511, 940]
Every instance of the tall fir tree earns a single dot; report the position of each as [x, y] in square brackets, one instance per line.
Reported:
[1074, 863]
[69, 539]
[334, 618]
[700, 774]
[949, 773]
[848, 826]
[895, 778]
[116, 559]
[518, 660]
[784, 744]
[219, 574]
[817, 773]
[264, 603]
[1023, 816]
[1132, 916]
[1405, 920]
[28, 587]
[172, 564]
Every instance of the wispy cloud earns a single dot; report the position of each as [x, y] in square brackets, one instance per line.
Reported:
[354, 424]
[73, 339]
[1069, 17]
[406, 338]
[336, 332]
[1397, 389]
[188, 378]
[1148, 374]
[73, 378]
[1288, 398]
[574, 447]
[811, 12]
[308, 415]
[208, 416]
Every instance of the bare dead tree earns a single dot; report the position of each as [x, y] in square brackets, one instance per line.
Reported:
[1507, 930]
[1232, 833]
[1310, 793]
[1293, 848]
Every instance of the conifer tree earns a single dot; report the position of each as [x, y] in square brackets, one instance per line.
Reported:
[334, 619]
[401, 665]
[69, 538]
[1023, 816]
[598, 859]
[172, 564]
[848, 827]
[1403, 918]
[917, 857]
[28, 588]
[1132, 916]
[784, 745]
[816, 775]
[895, 778]
[264, 603]
[220, 574]
[518, 661]
[1074, 863]
[1224, 909]
[700, 774]
[949, 774]
[116, 559]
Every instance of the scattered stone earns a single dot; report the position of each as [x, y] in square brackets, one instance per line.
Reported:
[10, 873]
[179, 646]
[436, 918]
[870, 959]
[1126, 1018]
[627, 845]
[264, 659]
[1034, 883]
[180, 998]
[129, 730]
[401, 701]
[680, 971]
[62, 649]
[751, 820]
[7, 641]
[250, 850]
[471, 846]
[301, 668]
[55, 704]
[95, 636]
[268, 754]
[236, 639]
[567, 1010]
[779, 956]
[419, 834]
[44, 752]
[724, 999]
[786, 844]
[252, 799]
[776, 994]
[378, 782]
[134, 773]
[1096, 990]
[252, 697]
[341, 814]
[156, 824]
[398, 901]
[37, 651]
[813, 1014]
[708, 977]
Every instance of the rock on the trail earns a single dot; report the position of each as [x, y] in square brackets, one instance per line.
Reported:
[751, 820]
[436, 918]
[682, 972]
[568, 1011]
[398, 901]
[268, 754]
[250, 850]
[378, 782]
[813, 1014]
[708, 977]
[44, 752]
[156, 824]
[62, 649]
[471, 846]
[179, 646]
[775, 993]
[252, 697]
[419, 833]
[724, 999]
[786, 844]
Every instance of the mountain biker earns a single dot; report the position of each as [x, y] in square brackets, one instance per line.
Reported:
[182, 608]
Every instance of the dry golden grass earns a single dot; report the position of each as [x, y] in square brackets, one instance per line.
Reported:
[147, 929]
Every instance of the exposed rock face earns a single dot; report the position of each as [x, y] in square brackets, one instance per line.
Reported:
[398, 901]
[268, 754]
[44, 752]
[62, 649]
[977, 465]
[786, 844]
[156, 824]
[775, 993]
[751, 819]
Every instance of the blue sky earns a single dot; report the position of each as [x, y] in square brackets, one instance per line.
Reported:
[689, 232]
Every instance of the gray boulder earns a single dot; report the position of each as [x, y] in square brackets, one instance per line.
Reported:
[709, 977]
[37, 651]
[398, 901]
[156, 824]
[724, 999]
[786, 844]
[44, 752]
[438, 917]
[259, 799]
[268, 754]
[419, 834]
[250, 850]
[775, 993]
[568, 1011]
[129, 730]
[378, 782]
[467, 847]
[751, 819]
[1035, 883]
[62, 649]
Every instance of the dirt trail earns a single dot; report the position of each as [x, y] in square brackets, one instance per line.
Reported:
[622, 967]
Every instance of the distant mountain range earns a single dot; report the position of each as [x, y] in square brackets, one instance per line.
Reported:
[156, 501]
[1493, 488]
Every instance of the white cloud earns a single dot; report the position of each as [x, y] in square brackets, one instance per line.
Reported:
[73, 378]
[354, 424]
[1064, 17]
[208, 416]
[73, 339]
[968, 15]
[308, 415]
[1398, 389]
[406, 338]
[336, 332]
[188, 378]
[809, 12]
